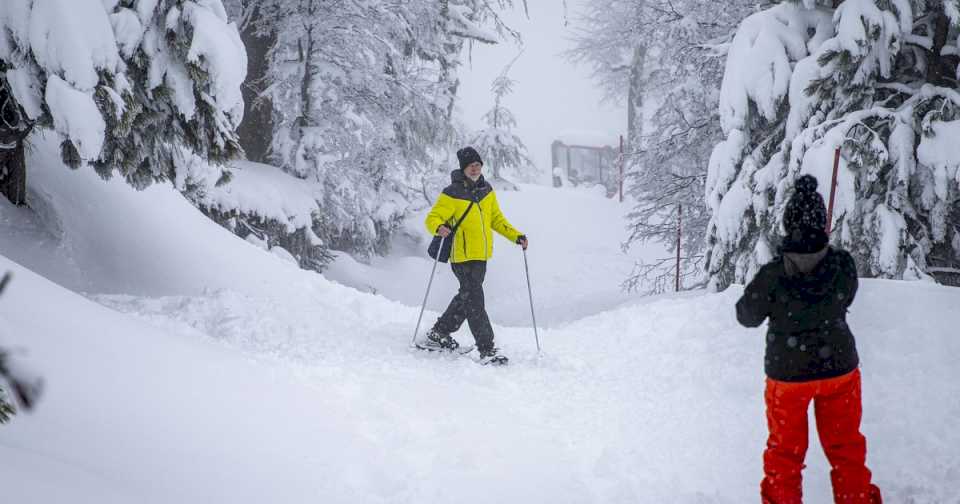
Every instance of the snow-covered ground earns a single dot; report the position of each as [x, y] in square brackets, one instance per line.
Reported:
[199, 368]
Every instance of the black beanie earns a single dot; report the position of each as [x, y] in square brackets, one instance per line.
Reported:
[468, 155]
[805, 218]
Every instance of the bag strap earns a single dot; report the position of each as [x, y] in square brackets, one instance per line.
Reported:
[464, 216]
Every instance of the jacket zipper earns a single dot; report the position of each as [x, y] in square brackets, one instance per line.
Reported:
[483, 229]
[453, 248]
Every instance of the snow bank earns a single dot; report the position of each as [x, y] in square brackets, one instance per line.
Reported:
[269, 192]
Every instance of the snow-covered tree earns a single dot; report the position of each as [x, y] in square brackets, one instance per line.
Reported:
[503, 151]
[129, 86]
[664, 58]
[876, 78]
[351, 112]
[14, 128]
[362, 94]
[185, 64]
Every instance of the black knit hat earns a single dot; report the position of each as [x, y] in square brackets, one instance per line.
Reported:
[468, 155]
[805, 218]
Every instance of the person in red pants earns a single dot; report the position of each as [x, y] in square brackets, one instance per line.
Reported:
[811, 356]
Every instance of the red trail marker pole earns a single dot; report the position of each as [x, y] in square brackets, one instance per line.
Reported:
[679, 229]
[621, 168]
[833, 190]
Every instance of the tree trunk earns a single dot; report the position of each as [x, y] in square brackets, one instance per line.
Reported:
[14, 129]
[13, 173]
[935, 64]
[635, 106]
[306, 85]
[256, 129]
[448, 60]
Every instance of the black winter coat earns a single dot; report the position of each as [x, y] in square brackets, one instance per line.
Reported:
[806, 297]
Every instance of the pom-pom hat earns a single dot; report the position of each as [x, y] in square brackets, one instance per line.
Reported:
[805, 218]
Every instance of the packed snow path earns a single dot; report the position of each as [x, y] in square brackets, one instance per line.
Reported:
[279, 386]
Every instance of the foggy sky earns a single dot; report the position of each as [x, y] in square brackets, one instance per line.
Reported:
[551, 94]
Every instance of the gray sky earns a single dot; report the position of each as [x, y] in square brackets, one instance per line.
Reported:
[551, 94]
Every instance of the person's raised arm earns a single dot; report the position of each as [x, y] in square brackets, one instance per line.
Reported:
[755, 304]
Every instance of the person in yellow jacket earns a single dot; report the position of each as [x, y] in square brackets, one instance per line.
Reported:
[472, 248]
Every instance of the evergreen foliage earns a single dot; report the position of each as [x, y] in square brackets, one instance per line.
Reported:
[876, 78]
[502, 150]
[134, 87]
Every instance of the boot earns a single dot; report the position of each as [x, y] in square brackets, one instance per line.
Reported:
[438, 341]
[493, 357]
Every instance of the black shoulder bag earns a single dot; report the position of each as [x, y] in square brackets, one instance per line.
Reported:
[435, 245]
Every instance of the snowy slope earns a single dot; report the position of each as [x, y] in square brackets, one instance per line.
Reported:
[206, 370]
[95, 236]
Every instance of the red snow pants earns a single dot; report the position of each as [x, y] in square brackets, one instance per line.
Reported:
[837, 407]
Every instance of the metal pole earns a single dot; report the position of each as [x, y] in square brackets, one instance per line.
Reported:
[526, 268]
[833, 190]
[679, 231]
[425, 296]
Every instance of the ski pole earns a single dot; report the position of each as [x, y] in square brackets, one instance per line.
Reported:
[425, 296]
[526, 268]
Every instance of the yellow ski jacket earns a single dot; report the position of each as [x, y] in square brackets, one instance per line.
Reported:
[473, 240]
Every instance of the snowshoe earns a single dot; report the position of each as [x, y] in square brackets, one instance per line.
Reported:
[492, 357]
[439, 342]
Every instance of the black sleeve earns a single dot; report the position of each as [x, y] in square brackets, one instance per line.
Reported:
[755, 304]
[849, 282]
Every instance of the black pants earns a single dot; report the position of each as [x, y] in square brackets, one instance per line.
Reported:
[468, 305]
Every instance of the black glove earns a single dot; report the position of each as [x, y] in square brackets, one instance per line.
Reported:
[522, 241]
